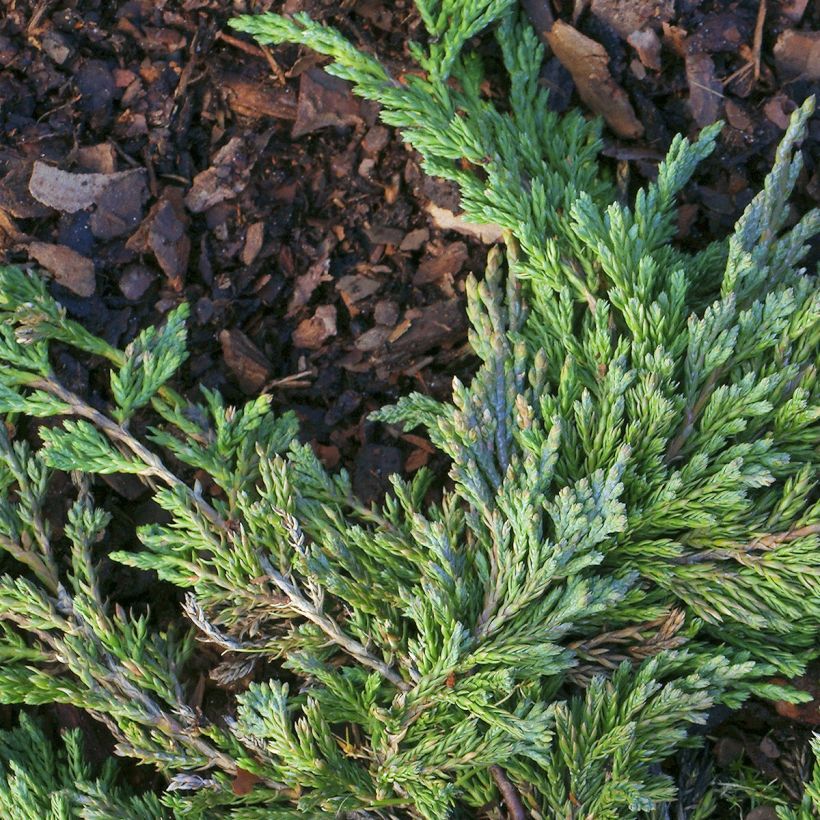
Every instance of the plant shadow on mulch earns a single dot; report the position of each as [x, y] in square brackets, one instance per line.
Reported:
[321, 265]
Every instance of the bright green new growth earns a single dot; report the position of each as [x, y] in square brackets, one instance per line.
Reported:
[630, 535]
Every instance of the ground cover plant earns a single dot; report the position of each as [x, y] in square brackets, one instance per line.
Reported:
[627, 540]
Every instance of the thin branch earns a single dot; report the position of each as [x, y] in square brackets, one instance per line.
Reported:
[158, 469]
[691, 416]
[350, 645]
[757, 43]
[119, 434]
[775, 539]
[509, 793]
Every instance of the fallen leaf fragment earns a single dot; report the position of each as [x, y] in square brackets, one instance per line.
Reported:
[312, 333]
[415, 239]
[806, 713]
[69, 268]
[417, 459]
[228, 175]
[588, 63]
[244, 782]
[328, 454]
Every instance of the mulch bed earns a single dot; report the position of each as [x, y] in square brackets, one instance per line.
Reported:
[320, 264]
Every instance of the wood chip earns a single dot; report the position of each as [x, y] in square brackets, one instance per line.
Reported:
[415, 239]
[312, 333]
[648, 47]
[135, 281]
[307, 283]
[440, 323]
[164, 233]
[97, 159]
[254, 238]
[797, 54]
[257, 100]
[68, 192]
[447, 220]
[354, 288]
[705, 90]
[325, 102]
[386, 312]
[245, 360]
[778, 110]
[372, 339]
[15, 196]
[627, 16]
[69, 268]
[588, 63]
[446, 263]
[793, 10]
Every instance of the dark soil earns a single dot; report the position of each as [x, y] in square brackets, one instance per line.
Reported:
[303, 233]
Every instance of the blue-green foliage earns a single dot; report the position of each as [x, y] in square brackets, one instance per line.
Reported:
[629, 535]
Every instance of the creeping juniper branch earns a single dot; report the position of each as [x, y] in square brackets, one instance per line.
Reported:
[629, 535]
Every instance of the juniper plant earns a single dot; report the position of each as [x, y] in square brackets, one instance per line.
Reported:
[628, 537]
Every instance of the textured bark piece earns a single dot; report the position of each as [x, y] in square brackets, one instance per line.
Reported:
[705, 90]
[257, 100]
[325, 102]
[254, 239]
[440, 323]
[626, 16]
[69, 193]
[447, 220]
[588, 63]
[246, 361]
[164, 233]
[312, 333]
[797, 54]
[648, 46]
[69, 268]
[446, 263]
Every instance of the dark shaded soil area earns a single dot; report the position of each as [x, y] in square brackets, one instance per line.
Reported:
[149, 156]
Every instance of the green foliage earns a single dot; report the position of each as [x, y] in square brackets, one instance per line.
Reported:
[42, 781]
[629, 536]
